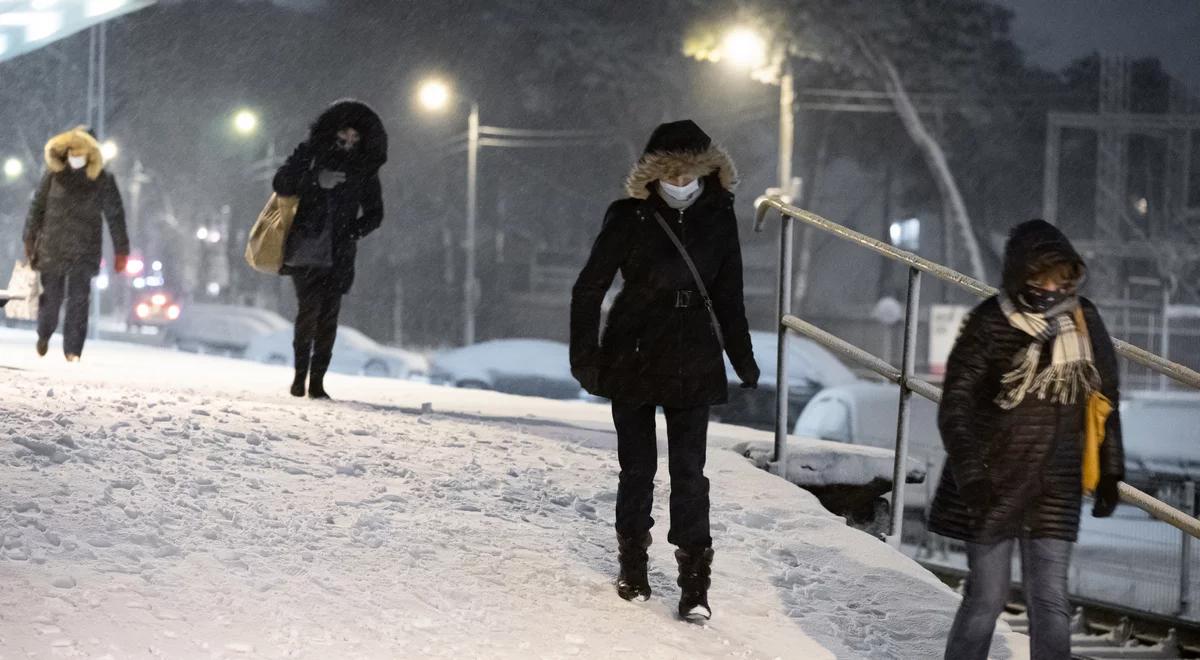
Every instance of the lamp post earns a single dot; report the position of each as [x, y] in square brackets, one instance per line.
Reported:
[435, 95]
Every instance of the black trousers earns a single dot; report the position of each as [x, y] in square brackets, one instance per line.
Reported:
[637, 452]
[320, 300]
[74, 285]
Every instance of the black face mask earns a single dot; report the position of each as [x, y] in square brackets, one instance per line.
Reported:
[1038, 300]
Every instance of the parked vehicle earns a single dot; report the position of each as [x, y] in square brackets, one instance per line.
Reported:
[1159, 430]
[865, 413]
[810, 368]
[353, 353]
[223, 329]
[531, 367]
[156, 309]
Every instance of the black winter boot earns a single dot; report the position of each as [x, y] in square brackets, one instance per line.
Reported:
[695, 571]
[298, 382]
[632, 583]
[43, 345]
[316, 385]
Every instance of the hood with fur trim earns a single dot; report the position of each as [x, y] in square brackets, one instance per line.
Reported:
[76, 139]
[668, 164]
[371, 152]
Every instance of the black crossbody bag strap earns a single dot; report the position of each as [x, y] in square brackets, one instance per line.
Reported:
[708, 303]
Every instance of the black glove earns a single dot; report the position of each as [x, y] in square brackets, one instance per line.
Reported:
[977, 495]
[1106, 497]
[748, 373]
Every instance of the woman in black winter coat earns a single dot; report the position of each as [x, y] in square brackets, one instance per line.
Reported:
[335, 173]
[1012, 421]
[64, 237]
[661, 345]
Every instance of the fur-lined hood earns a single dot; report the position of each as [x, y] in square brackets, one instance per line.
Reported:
[667, 164]
[371, 153]
[77, 139]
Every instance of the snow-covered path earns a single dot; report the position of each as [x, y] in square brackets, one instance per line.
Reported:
[156, 504]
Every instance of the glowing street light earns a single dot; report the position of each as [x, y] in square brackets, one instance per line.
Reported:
[434, 95]
[245, 122]
[744, 48]
[109, 150]
[13, 168]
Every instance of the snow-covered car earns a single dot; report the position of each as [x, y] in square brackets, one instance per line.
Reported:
[810, 368]
[864, 413]
[1159, 432]
[353, 353]
[531, 367]
[213, 328]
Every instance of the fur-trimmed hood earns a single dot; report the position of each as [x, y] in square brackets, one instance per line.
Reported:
[668, 164]
[76, 139]
[371, 153]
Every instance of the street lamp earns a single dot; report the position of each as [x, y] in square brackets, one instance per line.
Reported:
[245, 122]
[744, 48]
[13, 169]
[109, 150]
[435, 95]
[748, 49]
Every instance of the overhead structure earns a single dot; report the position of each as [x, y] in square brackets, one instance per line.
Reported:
[26, 25]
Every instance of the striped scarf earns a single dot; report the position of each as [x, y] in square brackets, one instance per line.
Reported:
[1071, 375]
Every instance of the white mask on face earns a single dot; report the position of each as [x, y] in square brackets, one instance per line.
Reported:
[680, 192]
[77, 162]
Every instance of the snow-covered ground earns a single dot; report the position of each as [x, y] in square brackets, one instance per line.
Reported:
[162, 504]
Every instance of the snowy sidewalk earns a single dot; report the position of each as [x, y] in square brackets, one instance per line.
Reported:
[156, 504]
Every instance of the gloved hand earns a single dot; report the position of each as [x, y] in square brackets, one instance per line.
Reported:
[119, 262]
[1107, 496]
[749, 374]
[330, 179]
[977, 495]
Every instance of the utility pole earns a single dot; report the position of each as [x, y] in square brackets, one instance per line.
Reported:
[469, 289]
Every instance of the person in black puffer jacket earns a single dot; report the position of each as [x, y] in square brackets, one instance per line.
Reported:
[64, 237]
[335, 173]
[660, 346]
[1012, 421]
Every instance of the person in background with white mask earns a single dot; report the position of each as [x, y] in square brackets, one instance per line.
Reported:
[674, 240]
[63, 237]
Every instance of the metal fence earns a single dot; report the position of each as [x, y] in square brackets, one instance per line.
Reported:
[1187, 527]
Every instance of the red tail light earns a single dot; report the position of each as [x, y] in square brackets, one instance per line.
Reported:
[143, 310]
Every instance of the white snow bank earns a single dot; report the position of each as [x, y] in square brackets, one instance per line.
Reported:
[814, 462]
[158, 504]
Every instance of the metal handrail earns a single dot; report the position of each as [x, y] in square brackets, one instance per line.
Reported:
[903, 376]
[1173, 370]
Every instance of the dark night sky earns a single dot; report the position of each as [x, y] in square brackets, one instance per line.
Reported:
[1055, 32]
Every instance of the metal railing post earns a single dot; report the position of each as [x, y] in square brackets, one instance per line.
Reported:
[1185, 555]
[784, 308]
[912, 319]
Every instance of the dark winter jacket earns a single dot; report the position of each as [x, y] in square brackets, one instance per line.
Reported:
[354, 208]
[1030, 456]
[653, 349]
[64, 226]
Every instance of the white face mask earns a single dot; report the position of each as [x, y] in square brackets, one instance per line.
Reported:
[77, 162]
[680, 192]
